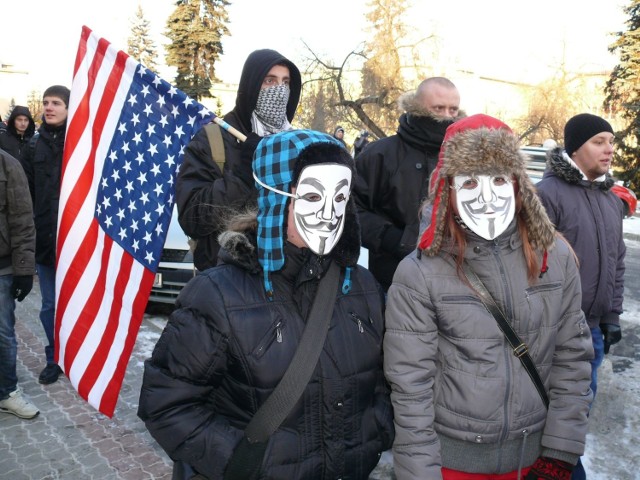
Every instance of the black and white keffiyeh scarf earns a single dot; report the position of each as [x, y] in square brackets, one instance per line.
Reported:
[271, 108]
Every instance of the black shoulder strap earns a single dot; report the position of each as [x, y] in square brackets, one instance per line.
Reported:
[294, 381]
[520, 349]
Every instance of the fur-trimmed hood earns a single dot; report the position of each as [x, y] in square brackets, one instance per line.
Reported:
[482, 145]
[558, 164]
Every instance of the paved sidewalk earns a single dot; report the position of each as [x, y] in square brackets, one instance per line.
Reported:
[70, 440]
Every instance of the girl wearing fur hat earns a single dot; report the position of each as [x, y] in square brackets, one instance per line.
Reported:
[465, 405]
[238, 326]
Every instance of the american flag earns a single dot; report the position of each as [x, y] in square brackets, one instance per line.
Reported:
[126, 133]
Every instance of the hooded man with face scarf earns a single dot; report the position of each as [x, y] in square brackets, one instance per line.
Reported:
[465, 406]
[266, 102]
[393, 174]
[237, 327]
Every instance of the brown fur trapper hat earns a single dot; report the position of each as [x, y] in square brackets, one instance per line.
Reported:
[483, 145]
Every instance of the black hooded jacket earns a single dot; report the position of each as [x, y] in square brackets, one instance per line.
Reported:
[392, 182]
[204, 194]
[10, 140]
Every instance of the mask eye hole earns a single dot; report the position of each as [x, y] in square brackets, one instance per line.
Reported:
[500, 180]
[311, 197]
[469, 184]
[341, 197]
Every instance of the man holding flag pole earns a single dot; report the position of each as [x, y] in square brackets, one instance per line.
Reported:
[215, 177]
[126, 134]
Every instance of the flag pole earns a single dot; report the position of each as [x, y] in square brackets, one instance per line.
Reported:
[233, 131]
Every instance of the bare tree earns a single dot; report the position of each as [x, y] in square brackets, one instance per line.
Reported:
[362, 90]
[554, 101]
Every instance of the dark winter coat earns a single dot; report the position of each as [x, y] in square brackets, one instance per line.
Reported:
[589, 215]
[392, 182]
[43, 166]
[204, 194]
[226, 347]
[13, 142]
[17, 232]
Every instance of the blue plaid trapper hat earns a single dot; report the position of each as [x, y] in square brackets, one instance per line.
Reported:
[273, 165]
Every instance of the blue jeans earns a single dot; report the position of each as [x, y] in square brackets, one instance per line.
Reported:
[8, 342]
[47, 279]
[598, 350]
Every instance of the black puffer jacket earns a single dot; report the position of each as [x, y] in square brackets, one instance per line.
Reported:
[226, 347]
[13, 142]
[392, 182]
[589, 215]
[204, 194]
[43, 166]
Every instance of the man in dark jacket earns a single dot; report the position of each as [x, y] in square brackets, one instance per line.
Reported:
[20, 129]
[43, 164]
[576, 192]
[17, 267]
[393, 174]
[266, 102]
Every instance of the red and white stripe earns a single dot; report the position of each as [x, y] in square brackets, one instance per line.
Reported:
[101, 291]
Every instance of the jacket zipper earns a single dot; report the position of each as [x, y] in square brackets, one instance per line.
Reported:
[275, 336]
[360, 322]
[507, 349]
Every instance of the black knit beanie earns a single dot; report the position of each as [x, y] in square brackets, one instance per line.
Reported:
[581, 128]
[59, 91]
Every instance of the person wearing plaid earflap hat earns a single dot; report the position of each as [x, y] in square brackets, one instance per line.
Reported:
[576, 191]
[464, 404]
[237, 326]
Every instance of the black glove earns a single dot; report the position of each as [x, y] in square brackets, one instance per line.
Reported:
[243, 167]
[246, 461]
[21, 286]
[612, 335]
[549, 469]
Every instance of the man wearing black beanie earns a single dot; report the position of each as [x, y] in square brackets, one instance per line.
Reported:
[576, 191]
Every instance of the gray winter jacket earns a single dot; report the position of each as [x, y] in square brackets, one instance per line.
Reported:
[461, 399]
[589, 215]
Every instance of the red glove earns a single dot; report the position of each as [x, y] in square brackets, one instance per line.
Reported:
[549, 469]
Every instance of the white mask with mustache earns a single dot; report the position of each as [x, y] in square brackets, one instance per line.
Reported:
[320, 203]
[486, 203]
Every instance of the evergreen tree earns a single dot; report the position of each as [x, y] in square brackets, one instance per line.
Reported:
[139, 45]
[623, 97]
[195, 29]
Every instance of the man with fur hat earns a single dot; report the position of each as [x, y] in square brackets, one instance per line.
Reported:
[237, 327]
[20, 129]
[393, 174]
[576, 191]
[43, 166]
[463, 397]
[208, 187]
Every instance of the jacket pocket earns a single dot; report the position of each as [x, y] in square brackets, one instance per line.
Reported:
[274, 334]
[542, 305]
[364, 325]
